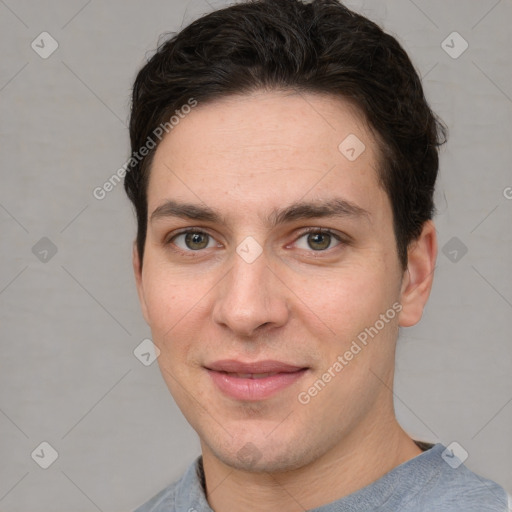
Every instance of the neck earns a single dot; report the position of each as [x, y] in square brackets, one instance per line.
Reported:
[357, 461]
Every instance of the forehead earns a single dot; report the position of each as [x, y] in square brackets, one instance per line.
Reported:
[264, 148]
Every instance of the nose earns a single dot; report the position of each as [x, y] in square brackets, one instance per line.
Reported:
[252, 298]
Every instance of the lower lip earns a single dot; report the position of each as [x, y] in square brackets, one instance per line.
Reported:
[254, 389]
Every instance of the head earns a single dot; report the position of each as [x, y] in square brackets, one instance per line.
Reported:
[287, 117]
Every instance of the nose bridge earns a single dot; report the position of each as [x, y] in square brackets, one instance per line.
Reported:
[251, 295]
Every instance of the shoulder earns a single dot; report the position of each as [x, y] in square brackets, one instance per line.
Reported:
[467, 491]
[456, 488]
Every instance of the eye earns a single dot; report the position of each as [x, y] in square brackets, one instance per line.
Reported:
[193, 241]
[318, 239]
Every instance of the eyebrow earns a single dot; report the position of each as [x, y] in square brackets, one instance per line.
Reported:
[336, 207]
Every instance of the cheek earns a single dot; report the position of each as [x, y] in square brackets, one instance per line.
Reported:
[179, 308]
[162, 305]
[349, 297]
[166, 289]
[169, 300]
[353, 312]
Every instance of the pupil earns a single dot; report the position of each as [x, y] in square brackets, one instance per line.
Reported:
[195, 238]
[317, 239]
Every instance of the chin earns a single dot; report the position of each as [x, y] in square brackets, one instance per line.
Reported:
[269, 458]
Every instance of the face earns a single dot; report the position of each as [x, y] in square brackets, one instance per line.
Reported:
[270, 256]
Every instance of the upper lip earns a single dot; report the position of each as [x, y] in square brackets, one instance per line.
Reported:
[267, 366]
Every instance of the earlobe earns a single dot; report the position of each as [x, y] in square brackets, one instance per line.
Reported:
[137, 270]
[418, 277]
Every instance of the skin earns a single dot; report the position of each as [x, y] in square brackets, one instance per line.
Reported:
[298, 302]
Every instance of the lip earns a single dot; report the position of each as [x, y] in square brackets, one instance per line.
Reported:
[243, 387]
[266, 366]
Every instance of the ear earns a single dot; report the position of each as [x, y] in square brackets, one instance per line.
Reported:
[137, 270]
[418, 278]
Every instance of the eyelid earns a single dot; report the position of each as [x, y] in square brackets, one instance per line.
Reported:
[182, 231]
[168, 240]
[314, 229]
[324, 231]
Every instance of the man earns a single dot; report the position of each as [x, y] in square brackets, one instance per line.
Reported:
[285, 166]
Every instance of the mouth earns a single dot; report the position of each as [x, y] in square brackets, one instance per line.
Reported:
[251, 375]
[253, 381]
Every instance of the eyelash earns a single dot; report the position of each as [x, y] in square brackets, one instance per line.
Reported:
[308, 231]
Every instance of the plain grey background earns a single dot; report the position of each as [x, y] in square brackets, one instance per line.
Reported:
[70, 321]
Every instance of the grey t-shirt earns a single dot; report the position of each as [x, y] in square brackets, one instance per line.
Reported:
[426, 483]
